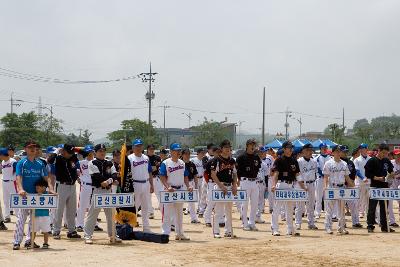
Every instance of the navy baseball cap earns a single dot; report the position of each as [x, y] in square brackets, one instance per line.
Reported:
[69, 148]
[175, 147]
[88, 148]
[263, 149]
[323, 145]
[344, 148]
[287, 144]
[99, 147]
[11, 147]
[51, 150]
[336, 148]
[363, 145]
[306, 146]
[4, 151]
[137, 142]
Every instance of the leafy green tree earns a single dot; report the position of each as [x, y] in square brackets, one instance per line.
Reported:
[363, 130]
[131, 129]
[209, 132]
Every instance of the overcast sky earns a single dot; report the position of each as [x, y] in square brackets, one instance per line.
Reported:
[314, 57]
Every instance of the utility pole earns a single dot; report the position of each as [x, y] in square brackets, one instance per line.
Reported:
[189, 115]
[239, 133]
[263, 122]
[300, 123]
[148, 77]
[40, 106]
[165, 131]
[12, 102]
[343, 119]
[288, 114]
[51, 121]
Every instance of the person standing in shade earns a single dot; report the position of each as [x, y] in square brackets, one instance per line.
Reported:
[248, 166]
[378, 169]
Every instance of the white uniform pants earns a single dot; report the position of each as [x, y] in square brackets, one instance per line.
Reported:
[85, 196]
[310, 205]
[319, 194]
[19, 227]
[353, 207]
[192, 205]
[364, 196]
[222, 208]
[203, 186]
[172, 212]
[287, 205]
[9, 188]
[142, 195]
[330, 207]
[271, 196]
[394, 185]
[158, 187]
[252, 190]
[210, 203]
[261, 198]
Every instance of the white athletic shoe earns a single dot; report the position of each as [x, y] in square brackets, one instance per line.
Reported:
[88, 240]
[246, 228]
[276, 233]
[217, 236]
[342, 232]
[317, 216]
[329, 231]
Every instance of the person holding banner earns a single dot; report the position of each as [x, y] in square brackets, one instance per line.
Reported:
[103, 175]
[142, 181]
[224, 174]
[377, 169]
[395, 185]
[174, 176]
[28, 171]
[306, 179]
[336, 174]
[248, 165]
[286, 168]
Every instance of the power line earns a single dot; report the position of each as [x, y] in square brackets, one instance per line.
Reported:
[41, 78]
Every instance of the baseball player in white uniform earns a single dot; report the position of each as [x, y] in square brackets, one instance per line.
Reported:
[271, 196]
[198, 161]
[142, 181]
[210, 186]
[174, 176]
[308, 175]
[86, 191]
[361, 180]
[8, 166]
[319, 183]
[263, 174]
[336, 173]
[395, 185]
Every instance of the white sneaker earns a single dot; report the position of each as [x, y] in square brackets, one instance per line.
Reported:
[329, 231]
[88, 240]
[317, 216]
[246, 228]
[276, 233]
[217, 236]
[342, 232]
[298, 226]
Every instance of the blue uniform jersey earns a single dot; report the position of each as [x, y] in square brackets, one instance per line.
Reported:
[31, 172]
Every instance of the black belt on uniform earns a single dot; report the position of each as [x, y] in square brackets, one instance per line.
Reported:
[309, 182]
[141, 181]
[260, 182]
[65, 183]
[84, 183]
[338, 185]
[250, 179]
[226, 184]
[7, 181]
[176, 186]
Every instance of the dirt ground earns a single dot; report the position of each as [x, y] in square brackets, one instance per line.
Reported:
[312, 248]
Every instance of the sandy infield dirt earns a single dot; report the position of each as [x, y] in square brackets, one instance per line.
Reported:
[312, 248]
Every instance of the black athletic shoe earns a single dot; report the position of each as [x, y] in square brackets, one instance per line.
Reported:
[11, 212]
[7, 220]
[16, 247]
[221, 224]
[208, 225]
[45, 246]
[80, 229]
[73, 234]
[387, 231]
[3, 227]
[98, 229]
[28, 245]
[370, 230]
[98, 219]
[394, 225]
[357, 225]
